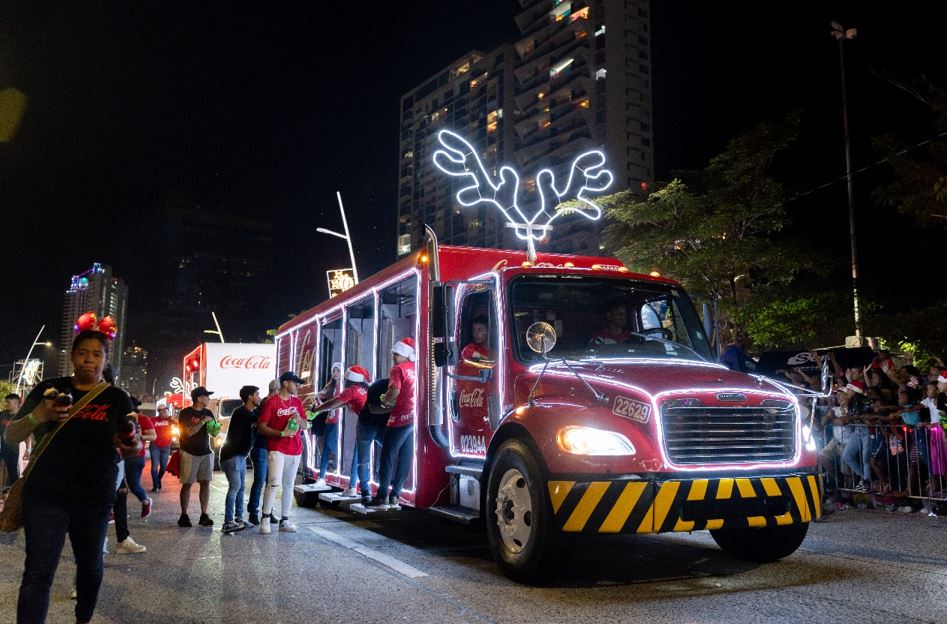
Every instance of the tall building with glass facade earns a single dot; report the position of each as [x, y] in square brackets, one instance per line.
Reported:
[94, 290]
[577, 78]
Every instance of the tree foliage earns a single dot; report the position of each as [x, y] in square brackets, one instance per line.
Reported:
[716, 230]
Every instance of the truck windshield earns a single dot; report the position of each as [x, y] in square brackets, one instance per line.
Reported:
[605, 318]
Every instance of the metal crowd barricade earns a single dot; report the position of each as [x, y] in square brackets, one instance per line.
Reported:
[904, 463]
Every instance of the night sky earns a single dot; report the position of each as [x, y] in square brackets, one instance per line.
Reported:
[268, 113]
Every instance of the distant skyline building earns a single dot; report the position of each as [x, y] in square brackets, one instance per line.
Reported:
[94, 290]
[211, 260]
[578, 78]
[135, 379]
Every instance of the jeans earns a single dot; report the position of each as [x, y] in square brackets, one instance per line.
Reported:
[282, 472]
[120, 505]
[236, 470]
[365, 436]
[397, 451]
[159, 463]
[330, 445]
[45, 526]
[858, 452]
[134, 466]
[258, 457]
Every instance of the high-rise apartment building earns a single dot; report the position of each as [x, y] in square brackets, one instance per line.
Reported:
[94, 290]
[578, 78]
[471, 96]
[135, 380]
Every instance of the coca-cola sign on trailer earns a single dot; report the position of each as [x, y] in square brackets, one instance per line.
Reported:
[253, 362]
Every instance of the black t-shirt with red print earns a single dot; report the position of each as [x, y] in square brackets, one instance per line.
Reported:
[79, 467]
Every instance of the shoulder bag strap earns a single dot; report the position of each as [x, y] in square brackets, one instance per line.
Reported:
[41, 446]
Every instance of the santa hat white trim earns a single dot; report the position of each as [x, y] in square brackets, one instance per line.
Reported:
[942, 378]
[353, 375]
[403, 349]
[852, 387]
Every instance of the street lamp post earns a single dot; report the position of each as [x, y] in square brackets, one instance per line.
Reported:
[346, 237]
[842, 35]
[218, 330]
[19, 381]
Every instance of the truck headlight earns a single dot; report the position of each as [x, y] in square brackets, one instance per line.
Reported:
[588, 441]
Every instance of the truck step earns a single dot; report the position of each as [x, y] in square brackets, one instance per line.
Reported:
[336, 498]
[463, 515]
[468, 469]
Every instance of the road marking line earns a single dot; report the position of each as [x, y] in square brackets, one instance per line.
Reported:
[386, 560]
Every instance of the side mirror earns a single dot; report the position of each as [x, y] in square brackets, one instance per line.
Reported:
[541, 337]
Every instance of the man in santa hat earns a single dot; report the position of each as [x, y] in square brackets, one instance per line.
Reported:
[397, 448]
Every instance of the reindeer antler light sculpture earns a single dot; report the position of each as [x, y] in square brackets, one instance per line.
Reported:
[587, 174]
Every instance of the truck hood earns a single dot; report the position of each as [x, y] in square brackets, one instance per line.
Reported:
[652, 377]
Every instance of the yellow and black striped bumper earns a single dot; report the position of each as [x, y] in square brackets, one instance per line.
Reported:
[684, 505]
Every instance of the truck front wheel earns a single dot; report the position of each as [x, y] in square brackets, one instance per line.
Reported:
[523, 540]
[761, 545]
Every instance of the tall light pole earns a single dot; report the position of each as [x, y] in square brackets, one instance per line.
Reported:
[217, 331]
[842, 35]
[346, 237]
[19, 381]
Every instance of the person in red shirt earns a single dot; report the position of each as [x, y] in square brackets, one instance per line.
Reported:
[160, 447]
[397, 448]
[134, 466]
[476, 354]
[353, 397]
[614, 332]
[282, 418]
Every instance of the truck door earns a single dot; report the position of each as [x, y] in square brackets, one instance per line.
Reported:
[474, 399]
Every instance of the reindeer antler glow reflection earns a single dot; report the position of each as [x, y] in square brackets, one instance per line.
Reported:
[460, 159]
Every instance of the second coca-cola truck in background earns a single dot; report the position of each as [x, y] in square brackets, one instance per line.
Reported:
[223, 368]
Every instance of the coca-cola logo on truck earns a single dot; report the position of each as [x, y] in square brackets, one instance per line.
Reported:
[253, 362]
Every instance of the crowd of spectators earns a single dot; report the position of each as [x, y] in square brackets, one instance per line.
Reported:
[880, 432]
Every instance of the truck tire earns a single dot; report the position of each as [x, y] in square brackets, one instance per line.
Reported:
[761, 545]
[524, 542]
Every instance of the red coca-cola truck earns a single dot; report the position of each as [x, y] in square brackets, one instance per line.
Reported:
[552, 424]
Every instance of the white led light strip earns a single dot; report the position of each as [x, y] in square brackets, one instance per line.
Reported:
[587, 174]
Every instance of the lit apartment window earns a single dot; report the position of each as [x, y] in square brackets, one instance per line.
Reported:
[600, 31]
[584, 103]
[404, 244]
[580, 14]
[600, 73]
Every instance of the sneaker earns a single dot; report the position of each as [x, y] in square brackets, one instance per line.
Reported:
[378, 503]
[394, 503]
[73, 594]
[265, 525]
[906, 509]
[232, 527]
[146, 508]
[253, 520]
[349, 492]
[184, 521]
[111, 517]
[285, 526]
[274, 519]
[366, 499]
[205, 521]
[320, 483]
[241, 522]
[129, 547]
[154, 488]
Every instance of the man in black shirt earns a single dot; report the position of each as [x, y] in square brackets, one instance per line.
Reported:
[372, 422]
[233, 456]
[9, 453]
[197, 460]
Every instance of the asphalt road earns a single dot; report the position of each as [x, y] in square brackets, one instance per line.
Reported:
[858, 566]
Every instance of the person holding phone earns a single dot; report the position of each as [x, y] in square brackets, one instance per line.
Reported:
[72, 484]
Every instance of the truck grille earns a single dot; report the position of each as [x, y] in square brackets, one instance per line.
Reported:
[717, 435]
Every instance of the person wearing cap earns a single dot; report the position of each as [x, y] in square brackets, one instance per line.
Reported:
[160, 447]
[353, 397]
[197, 459]
[283, 418]
[321, 421]
[397, 448]
[233, 457]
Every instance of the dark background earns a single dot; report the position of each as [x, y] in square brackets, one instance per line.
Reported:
[267, 113]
